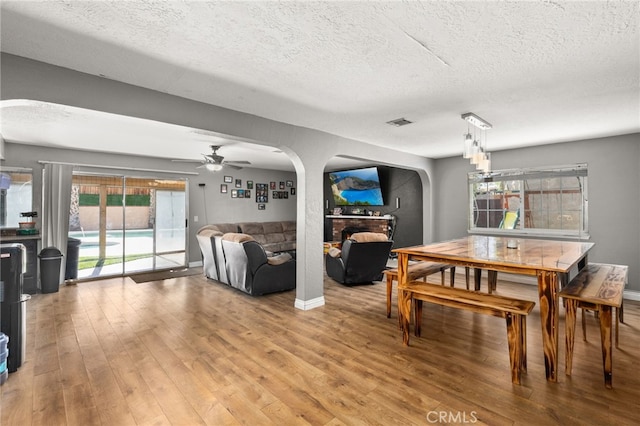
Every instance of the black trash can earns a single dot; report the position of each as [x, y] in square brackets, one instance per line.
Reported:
[73, 253]
[50, 262]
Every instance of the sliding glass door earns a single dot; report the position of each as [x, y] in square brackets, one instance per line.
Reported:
[128, 224]
[164, 240]
[170, 229]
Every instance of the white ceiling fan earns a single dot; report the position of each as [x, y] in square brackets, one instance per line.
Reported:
[214, 162]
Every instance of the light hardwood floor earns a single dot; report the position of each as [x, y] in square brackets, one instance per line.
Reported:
[189, 351]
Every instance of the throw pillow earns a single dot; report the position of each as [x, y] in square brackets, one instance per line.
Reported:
[237, 238]
[367, 237]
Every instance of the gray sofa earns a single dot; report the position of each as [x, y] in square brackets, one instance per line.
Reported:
[256, 263]
[275, 237]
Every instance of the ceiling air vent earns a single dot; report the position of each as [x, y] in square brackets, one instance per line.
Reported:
[399, 122]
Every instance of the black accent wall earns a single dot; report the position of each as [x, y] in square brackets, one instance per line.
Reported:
[395, 183]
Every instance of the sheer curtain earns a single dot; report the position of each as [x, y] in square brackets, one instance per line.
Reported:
[56, 203]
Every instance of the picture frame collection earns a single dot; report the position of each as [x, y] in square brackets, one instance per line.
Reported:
[279, 190]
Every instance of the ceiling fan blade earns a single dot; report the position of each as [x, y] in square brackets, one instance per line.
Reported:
[237, 162]
[214, 158]
[186, 161]
[231, 166]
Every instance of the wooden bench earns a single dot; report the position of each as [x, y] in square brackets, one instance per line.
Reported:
[420, 270]
[599, 287]
[514, 311]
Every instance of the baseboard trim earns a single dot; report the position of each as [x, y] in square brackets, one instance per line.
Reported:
[307, 305]
[195, 264]
[632, 295]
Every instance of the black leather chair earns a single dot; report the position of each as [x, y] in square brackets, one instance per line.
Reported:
[362, 259]
[249, 269]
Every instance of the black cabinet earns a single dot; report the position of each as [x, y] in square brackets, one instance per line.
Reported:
[30, 277]
[11, 274]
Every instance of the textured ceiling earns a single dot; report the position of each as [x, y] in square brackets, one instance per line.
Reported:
[540, 72]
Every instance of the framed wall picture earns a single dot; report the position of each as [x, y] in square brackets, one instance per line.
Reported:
[262, 193]
[234, 193]
[272, 185]
[223, 188]
[228, 179]
[289, 183]
[261, 206]
[238, 183]
[240, 193]
[281, 185]
[247, 193]
[284, 194]
[275, 195]
[249, 184]
[293, 191]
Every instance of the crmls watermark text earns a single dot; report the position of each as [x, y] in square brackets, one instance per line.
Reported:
[460, 417]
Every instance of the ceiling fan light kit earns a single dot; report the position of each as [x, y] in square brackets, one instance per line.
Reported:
[212, 167]
[214, 162]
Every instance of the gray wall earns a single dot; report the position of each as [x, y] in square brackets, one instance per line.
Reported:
[613, 193]
[309, 150]
[207, 203]
[613, 165]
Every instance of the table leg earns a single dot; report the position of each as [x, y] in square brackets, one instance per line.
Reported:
[492, 280]
[548, 294]
[570, 330]
[452, 276]
[417, 320]
[404, 298]
[605, 338]
[389, 289]
[466, 276]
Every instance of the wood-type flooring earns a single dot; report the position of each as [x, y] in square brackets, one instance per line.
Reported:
[188, 351]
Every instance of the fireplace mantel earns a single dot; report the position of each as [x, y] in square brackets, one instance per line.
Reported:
[359, 216]
[362, 222]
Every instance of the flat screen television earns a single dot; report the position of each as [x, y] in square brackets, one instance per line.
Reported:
[358, 187]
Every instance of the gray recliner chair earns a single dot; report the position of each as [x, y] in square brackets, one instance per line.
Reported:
[205, 237]
[361, 260]
[210, 241]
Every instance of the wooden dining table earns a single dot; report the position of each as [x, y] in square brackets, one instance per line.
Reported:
[549, 260]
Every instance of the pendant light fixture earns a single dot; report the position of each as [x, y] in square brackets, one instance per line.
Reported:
[475, 148]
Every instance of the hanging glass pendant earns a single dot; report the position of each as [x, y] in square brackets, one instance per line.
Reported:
[485, 163]
[476, 149]
[477, 156]
[468, 146]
